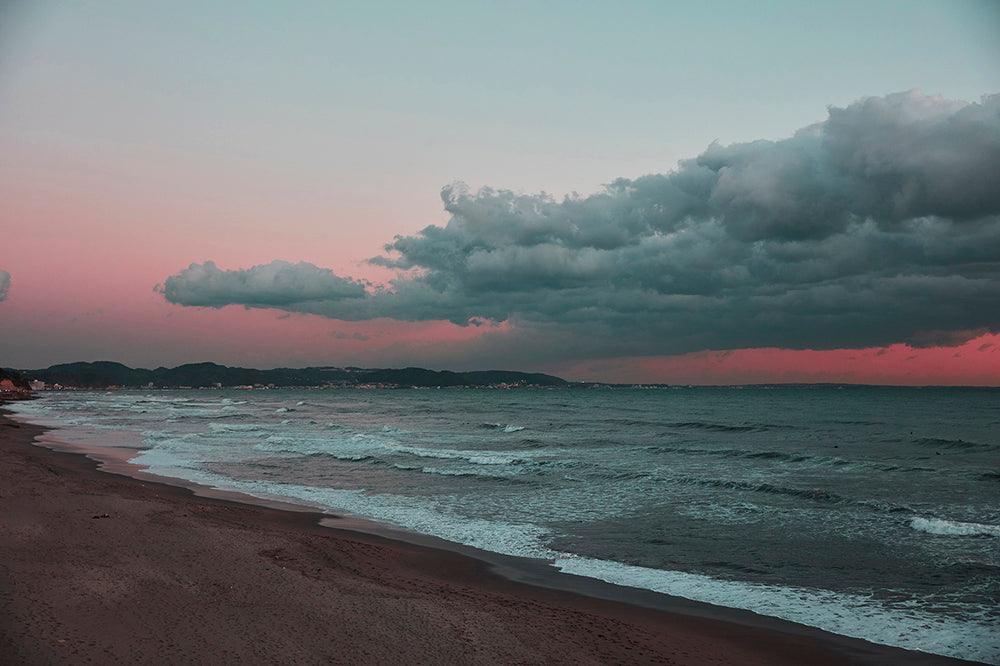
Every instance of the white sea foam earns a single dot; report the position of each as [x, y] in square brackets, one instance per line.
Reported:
[520, 539]
[166, 400]
[953, 527]
[475, 457]
[361, 445]
[493, 460]
[343, 449]
[233, 427]
[504, 427]
[849, 615]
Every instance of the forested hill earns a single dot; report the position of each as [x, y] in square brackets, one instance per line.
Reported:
[104, 374]
[12, 381]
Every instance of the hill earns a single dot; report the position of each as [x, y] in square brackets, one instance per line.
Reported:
[13, 384]
[104, 374]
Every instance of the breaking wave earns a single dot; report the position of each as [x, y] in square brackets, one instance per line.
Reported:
[503, 427]
[941, 443]
[953, 527]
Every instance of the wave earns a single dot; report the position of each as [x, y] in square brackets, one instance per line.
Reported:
[343, 450]
[776, 455]
[858, 616]
[368, 455]
[751, 454]
[941, 443]
[629, 422]
[234, 427]
[503, 427]
[628, 475]
[363, 445]
[164, 401]
[953, 527]
[720, 427]
[475, 457]
[461, 473]
[904, 468]
[814, 494]
[784, 456]
[990, 476]
[208, 415]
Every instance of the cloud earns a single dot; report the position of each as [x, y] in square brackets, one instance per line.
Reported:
[4, 284]
[880, 224]
[277, 284]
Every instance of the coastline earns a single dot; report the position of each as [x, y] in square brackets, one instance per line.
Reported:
[220, 577]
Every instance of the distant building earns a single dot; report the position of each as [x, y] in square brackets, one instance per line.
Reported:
[37, 385]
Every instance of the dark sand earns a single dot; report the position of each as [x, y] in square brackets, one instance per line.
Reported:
[102, 568]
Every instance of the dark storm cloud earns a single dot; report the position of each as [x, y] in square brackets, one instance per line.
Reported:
[4, 284]
[880, 224]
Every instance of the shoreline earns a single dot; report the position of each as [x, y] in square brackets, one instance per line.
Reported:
[427, 599]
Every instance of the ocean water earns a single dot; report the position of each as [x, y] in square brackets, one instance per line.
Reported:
[869, 512]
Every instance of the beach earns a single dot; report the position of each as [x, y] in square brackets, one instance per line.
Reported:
[100, 567]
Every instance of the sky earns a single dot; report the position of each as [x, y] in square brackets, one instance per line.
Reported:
[717, 192]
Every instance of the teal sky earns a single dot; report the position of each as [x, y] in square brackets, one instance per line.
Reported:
[555, 96]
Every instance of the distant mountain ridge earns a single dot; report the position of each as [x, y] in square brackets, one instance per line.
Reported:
[103, 374]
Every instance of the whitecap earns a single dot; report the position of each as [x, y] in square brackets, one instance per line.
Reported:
[953, 527]
[504, 427]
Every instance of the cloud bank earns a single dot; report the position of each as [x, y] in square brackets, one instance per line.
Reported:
[880, 224]
[4, 284]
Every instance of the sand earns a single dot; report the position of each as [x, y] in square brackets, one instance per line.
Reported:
[102, 568]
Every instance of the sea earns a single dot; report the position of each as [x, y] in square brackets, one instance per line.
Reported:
[869, 512]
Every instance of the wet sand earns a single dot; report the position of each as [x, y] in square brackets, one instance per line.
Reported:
[103, 568]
